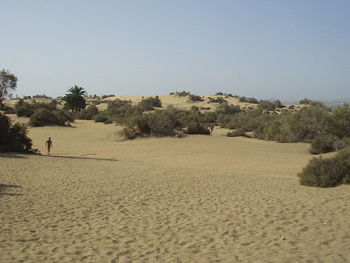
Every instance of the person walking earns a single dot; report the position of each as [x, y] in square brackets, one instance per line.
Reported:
[49, 145]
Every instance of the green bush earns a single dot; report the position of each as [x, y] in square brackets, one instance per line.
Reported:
[248, 100]
[340, 121]
[121, 110]
[26, 109]
[305, 101]
[195, 98]
[13, 137]
[7, 109]
[307, 123]
[139, 123]
[101, 117]
[181, 93]
[43, 117]
[197, 128]
[219, 100]
[270, 105]
[341, 143]
[323, 144]
[162, 123]
[107, 96]
[23, 108]
[327, 172]
[88, 113]
[226, 108]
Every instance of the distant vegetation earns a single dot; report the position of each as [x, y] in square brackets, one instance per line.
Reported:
[89, 113]
[248, 100]
[326, 129]
[149, 103]
[270, 105]
[219, 100]
[107, 96]
[195, 98]
[41, 113]
[44, 117]
[180, 93]
[42, 96]
[226, 95]
[191, 97]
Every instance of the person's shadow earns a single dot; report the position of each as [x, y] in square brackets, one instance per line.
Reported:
[81, 157]
[5, 187]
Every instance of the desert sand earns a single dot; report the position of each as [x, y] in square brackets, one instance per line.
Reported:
[195, 199]
[180, 102]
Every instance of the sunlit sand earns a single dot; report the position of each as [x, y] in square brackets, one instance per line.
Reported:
[195, 199]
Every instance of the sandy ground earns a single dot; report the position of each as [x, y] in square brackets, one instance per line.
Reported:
[183, 103]
[195, 199]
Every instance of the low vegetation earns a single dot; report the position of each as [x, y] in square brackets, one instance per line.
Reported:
[89, 113]
[180, 93]
[44, 117]
[248, 100]
[330, 172]
[219, 100]
[13, 137]
[326, 129]
[195, 98]
[42, 114]
[149, 103]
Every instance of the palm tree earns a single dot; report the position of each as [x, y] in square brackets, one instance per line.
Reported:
[77, 91]
[75, 98]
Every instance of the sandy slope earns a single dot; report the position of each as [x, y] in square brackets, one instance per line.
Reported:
[196, 199]
[183, 102]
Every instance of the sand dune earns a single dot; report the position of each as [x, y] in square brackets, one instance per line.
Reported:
[184, 103]
[196, 199]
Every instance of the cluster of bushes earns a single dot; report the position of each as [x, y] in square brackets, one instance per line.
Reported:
[195, 98]
[107, 96]
[149, 103]
[328, 172]
[180, 93]
[270, 105]
[7, 109]
[325, 143]
[192, 97]
[27, 109]
[41, 96]
[219, 100]
[13, 137]
[43, 117]
[88, 113]
[42, 114]
[327, 129]
[167, 122]
[227, 95]
[248, 100]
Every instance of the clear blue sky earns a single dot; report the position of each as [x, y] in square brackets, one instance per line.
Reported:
[262, 48]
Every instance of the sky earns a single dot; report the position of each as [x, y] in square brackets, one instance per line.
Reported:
[268, 49]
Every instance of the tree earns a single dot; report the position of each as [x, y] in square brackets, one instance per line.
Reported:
[8, 82]
[75, 99]
[13, 137]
